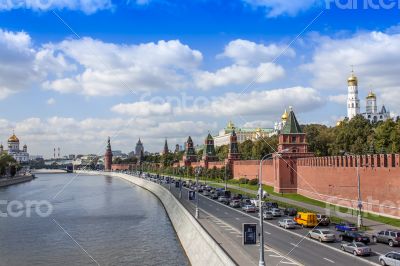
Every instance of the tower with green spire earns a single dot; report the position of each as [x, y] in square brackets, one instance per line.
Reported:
[291, 138]
[233, 154]
[108, 156]
[190, 154]
[209, 154]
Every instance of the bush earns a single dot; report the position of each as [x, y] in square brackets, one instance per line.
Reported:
[253, 182]
[243, 181]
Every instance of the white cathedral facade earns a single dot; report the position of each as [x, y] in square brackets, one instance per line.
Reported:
[353, 103]
[21, 156]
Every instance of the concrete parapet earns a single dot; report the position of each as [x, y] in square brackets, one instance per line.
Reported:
[199, 246]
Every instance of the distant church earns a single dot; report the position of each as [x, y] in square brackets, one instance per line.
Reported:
[353, 103]
[21, 156]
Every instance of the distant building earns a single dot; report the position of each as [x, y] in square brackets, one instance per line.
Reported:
[139, 150]
[242, 134]
[108, 156]
[166, 149]
[353, 103]
[21, 156]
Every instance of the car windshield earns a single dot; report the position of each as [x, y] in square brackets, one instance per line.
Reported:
[325, 232]
[360, 245]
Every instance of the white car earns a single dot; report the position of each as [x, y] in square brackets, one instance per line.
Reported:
[390, 259]
[249, 208]
[276, 212]
[357, 248]
[323, 235]
[287, 223]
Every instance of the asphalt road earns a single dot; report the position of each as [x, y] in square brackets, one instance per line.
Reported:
[290, 243]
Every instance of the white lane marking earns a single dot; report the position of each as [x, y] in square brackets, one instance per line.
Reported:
[237, 218]
[226, 213]
[287, 262]
[275, 256]
[233, 232]
[299, 235]
[293, 244]
[268, 233]
[331, 261]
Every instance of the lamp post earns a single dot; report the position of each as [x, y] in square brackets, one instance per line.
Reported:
[260, 196]
[180, 185]
[197, 189]
[359, 202]
[226, 185]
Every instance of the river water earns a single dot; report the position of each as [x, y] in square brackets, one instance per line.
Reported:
[95, 220]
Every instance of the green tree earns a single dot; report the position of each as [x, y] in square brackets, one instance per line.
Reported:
[246, 149]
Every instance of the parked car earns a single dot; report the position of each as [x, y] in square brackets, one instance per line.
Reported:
[206, 193]
[245, 202]
[267, 215]
[290, 211]
[323, 219]
[306, 219]
[351, 236]
[276, 212]
[249, 208]
[391, 237]
[271, 205]
[391, 259]
[357, 248]
[344, 226]
[234, 203]
[214, 195]
[223, 199]
[323, 235]
[287, 224]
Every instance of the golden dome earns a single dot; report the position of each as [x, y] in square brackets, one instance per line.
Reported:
[285, 116]
[352, 80]
[13, 138]
[230, 125]
[371, 95]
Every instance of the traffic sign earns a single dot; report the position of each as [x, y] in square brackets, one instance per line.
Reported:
[192, 195]
[249, 234]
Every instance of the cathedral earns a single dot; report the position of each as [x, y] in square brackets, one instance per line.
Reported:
[21, 156]
[353, 103]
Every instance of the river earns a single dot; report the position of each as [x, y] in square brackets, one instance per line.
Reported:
[94, 220]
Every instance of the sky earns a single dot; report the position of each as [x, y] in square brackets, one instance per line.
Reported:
[73, 72]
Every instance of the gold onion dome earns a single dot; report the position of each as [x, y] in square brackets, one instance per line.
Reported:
[352, 80]
[13, 138]
[371, 95]
[285, 116]
[230, 125]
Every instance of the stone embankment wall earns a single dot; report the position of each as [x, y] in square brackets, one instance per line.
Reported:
[199, 246]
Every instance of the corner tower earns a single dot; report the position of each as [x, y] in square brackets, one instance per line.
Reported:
[108, 156]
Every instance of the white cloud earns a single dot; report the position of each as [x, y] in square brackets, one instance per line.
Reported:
[238, 75]
[89, 135]
[339, 99]
[143, 109]
[376, 57]
[111, 69]
[269, 103]
[51, 101]
[275, 8]
[246, 52]
[86, 6]
[259, 123]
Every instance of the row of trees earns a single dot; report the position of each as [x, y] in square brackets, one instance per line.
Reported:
[8, 165]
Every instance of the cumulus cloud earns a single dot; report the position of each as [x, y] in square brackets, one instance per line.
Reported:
[339, 99]
[143, 109]
[268, 102]
[246, 52]
[238, 75]
[89, 135]
[113, 69]
[86, 6]
[51, 101]
[275, 8]
[376, 60]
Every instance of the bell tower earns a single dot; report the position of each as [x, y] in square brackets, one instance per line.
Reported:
[108, 156]
[353, 102]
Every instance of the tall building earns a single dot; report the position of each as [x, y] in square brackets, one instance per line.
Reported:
[353, 103]
[165, 150]
[233, 154]
[108, 156]
[209, 154]
[21, 156]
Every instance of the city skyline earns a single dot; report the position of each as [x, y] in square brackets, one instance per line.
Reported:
[156, 69]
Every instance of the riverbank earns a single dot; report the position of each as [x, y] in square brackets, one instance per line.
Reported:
[15, 180]
[200, 247]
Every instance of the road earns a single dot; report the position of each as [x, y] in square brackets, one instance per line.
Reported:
[289, 243]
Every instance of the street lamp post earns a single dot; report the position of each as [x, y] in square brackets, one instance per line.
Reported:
[180, 185]
[261, 194]
[226, 185]
[197, 196]
[359, 202]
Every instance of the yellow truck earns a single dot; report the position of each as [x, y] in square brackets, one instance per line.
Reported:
[306, 219]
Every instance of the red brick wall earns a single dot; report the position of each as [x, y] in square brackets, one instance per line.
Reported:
[333, 179]
[116, 167]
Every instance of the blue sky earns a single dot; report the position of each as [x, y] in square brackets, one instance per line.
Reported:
[163, 68]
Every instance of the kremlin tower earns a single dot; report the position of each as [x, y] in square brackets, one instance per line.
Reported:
[108, 157]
